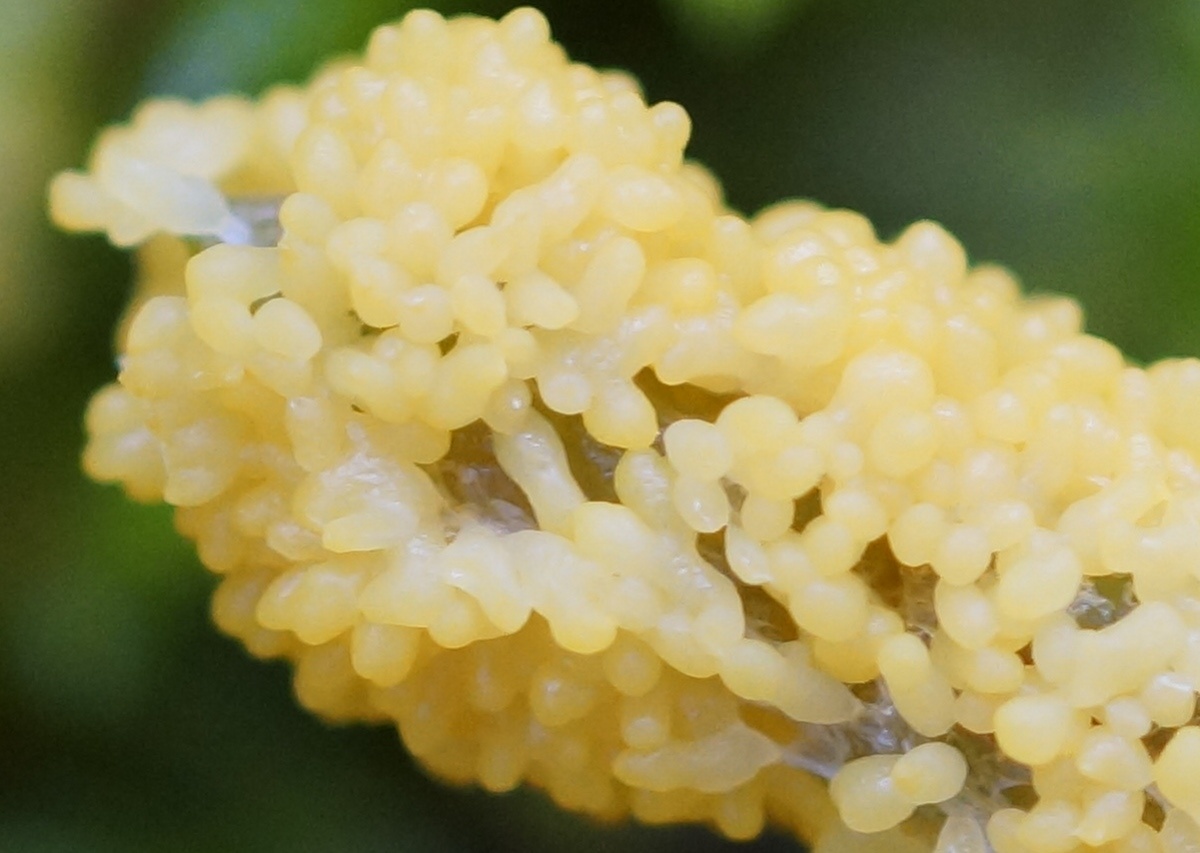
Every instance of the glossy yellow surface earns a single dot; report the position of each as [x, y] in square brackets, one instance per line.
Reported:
[502, 427]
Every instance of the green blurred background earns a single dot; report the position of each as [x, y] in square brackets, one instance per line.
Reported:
[1060, 138]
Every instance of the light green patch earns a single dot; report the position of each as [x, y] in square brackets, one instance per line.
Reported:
[731, 25]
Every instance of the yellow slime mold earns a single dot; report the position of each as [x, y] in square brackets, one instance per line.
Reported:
[496, 422]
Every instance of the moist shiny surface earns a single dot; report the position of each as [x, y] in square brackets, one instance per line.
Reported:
[506, 431]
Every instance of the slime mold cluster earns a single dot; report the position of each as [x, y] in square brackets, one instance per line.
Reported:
[496, 422]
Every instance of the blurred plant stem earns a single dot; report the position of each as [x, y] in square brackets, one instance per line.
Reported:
[38, 46]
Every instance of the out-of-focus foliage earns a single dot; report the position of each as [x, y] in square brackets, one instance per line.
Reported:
[35, 45]
[1062, 139]
[730, 26]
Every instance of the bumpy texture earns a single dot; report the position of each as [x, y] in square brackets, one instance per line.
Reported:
[495, 421]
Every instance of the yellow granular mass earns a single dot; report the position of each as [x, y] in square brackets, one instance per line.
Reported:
[496, 422]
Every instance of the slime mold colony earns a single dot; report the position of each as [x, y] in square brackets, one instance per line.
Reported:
[494, 420]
